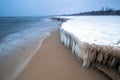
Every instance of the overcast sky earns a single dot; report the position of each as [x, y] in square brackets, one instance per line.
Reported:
[51, 7]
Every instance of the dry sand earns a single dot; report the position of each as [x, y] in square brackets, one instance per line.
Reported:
[53, 61]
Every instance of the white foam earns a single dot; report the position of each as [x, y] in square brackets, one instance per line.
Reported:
[17, 49]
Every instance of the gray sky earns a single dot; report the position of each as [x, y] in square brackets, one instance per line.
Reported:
[51, 7]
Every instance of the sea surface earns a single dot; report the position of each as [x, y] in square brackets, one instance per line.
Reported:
[20, 38]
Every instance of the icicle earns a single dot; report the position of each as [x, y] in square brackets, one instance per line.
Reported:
[119, 69]
[73, 47]
[113, 61]
[68, 40]
[90, 53]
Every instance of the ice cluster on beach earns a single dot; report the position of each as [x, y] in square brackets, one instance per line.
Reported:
[93, 39]
[102, 30]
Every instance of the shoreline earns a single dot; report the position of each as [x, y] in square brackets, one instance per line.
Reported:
[17, 49]
[54, 61]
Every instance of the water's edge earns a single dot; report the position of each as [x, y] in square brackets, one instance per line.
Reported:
[17, 50]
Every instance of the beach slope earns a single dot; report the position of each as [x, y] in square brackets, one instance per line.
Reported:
[54, 61]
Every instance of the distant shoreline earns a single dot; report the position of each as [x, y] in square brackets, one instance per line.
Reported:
[103, 12]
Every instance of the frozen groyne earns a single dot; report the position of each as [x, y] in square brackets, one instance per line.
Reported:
[93, 39]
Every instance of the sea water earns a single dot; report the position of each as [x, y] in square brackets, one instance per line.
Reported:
[20, 38]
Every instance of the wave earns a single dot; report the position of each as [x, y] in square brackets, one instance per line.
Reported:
[17, 49]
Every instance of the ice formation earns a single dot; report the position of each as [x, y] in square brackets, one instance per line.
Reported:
[93, 39]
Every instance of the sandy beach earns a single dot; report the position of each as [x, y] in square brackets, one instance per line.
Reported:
[53, 61]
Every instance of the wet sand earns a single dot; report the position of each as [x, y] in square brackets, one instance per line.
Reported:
[53, 61]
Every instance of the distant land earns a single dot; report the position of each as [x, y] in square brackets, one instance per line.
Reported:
[103, 11]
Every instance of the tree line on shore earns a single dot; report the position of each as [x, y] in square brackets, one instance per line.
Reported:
[103, 11]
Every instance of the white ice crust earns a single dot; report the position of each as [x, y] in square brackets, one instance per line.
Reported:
[100, 30]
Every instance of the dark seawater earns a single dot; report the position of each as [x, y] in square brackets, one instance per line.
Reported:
[20, 38]
[9, 25]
